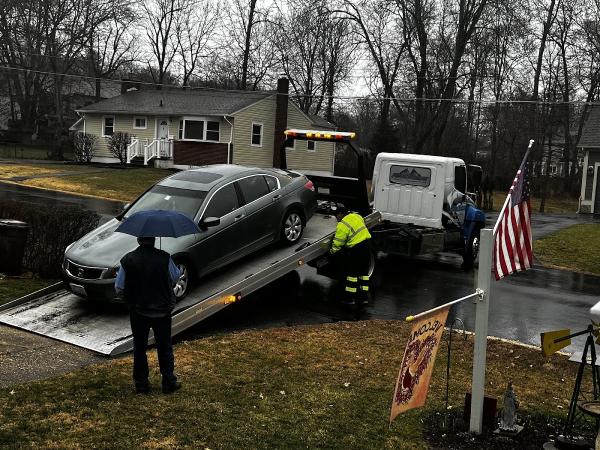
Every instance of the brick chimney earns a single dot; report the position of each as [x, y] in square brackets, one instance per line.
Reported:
[281, 114]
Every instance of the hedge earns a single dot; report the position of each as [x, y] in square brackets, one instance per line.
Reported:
[51, 230]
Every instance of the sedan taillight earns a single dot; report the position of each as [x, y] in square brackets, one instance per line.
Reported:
[309, 185]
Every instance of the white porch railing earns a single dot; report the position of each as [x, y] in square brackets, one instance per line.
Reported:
[158, 148]
[134, 149]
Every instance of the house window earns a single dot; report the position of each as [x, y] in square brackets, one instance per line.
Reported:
[311, 146]
[108, 126]
[200, 130]
[291, 147]
[139, 123]
[212, 131]
[193, 129]
[257, 131]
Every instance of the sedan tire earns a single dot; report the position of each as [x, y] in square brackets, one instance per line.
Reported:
[292, 227]
[182, 287]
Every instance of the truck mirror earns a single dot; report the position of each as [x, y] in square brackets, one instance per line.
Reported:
[460, 178]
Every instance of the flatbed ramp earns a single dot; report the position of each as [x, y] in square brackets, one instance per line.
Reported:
[56, 313]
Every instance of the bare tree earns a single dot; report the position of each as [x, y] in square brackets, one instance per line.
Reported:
[161, 19]
[246, 56]
[111, 46]
[379, 32]
[301, 45]
[67, 38]
[22, 48]
[193, 35]
[339, 56]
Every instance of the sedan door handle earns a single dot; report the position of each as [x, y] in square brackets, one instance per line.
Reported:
[238, 217]
[276, 197]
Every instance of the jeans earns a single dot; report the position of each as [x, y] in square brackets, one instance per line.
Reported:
[140, 327]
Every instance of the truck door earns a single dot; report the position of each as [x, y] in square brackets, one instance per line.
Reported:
[408, 192]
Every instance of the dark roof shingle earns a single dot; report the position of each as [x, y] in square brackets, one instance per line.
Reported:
[590, 136]
[180, 102]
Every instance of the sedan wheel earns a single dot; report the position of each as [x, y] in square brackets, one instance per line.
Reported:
[292, 228]
[182, 286]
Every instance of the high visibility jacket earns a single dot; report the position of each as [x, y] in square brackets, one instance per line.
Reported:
[351, 230]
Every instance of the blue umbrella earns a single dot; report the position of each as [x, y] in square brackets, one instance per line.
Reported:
[158, 223]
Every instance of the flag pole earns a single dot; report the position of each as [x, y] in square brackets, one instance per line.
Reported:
[482, 306]
[445, 305]
[531, 141]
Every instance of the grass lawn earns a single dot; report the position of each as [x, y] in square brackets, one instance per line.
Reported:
[27, 170]
[13, 288]
[574, 248]
[116, 184]
[327, 386]
[561, 205]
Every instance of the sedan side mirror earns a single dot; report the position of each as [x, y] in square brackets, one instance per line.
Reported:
[208, 222]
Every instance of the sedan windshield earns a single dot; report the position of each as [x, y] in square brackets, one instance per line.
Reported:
[167, 198]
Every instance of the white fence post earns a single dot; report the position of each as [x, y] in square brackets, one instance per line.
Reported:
[482, 307]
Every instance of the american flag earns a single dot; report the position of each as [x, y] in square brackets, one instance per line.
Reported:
[512, 244]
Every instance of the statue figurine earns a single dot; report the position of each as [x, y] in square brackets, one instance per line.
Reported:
[510, 408]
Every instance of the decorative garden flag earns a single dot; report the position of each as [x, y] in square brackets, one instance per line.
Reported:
[417, 364]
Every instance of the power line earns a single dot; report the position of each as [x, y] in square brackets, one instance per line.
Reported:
[315, 96]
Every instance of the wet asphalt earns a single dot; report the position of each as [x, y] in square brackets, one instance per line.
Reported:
[522, 306]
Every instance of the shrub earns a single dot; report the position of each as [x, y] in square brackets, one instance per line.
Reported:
[51, 230]
[117, 145]
[83, 147]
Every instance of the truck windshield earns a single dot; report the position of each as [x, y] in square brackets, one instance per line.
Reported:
[168, 198]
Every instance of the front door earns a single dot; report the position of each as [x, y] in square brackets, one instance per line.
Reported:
[163, 128]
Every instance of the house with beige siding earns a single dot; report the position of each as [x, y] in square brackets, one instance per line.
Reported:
[195, 127]
[589, 200]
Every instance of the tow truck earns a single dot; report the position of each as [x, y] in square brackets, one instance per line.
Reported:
[426, 203]
[412, 212]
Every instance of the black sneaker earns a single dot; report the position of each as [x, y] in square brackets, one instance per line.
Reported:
[364, 302]
[348, 302]
[171, 387]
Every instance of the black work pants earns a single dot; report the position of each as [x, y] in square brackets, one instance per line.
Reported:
[358, 259]
[161, 326]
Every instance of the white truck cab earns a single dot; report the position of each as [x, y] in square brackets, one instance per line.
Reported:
[417, 189]
[423, 201]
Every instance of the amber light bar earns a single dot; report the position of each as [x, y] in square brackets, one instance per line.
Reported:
[319, 135]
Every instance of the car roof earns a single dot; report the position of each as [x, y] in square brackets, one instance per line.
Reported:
[206, 177]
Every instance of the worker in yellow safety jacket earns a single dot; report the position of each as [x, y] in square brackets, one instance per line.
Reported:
[352, 240]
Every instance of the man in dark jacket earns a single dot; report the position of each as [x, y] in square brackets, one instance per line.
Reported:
[145, 279]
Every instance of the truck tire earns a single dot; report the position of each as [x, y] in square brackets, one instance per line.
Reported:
[372, 262]
[471, 251]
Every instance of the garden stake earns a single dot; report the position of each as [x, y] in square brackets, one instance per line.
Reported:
[462, 324]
